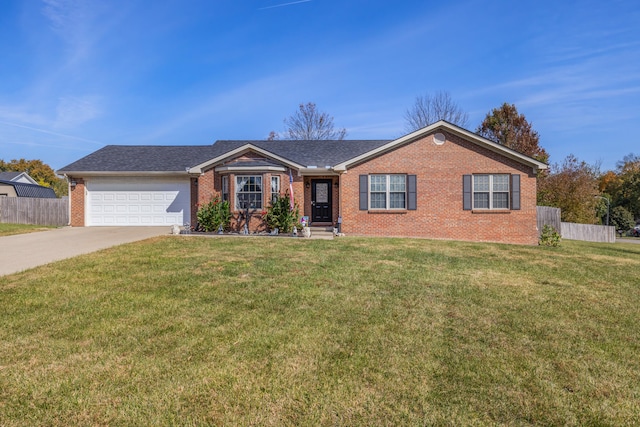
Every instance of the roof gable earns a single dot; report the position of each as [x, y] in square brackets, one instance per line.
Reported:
[17, 177]
[296, 154]
[457, 130]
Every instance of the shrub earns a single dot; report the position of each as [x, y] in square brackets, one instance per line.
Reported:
[215, 214]
[549, 236]
[279, 215]
[622, 219]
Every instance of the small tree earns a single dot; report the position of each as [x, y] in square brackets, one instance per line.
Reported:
[572, 187]
[506, 126]
[215, 214]
[622, 219]
[549, 236]
[429, 109]
[280, 215]
[309, 124]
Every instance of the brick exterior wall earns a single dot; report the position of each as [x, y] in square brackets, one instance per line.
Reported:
[440, 215]
[210, 185]
[77, 199]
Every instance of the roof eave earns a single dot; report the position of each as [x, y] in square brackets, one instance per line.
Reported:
[81, 173]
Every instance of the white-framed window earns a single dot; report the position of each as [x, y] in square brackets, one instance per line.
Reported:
[387, 191]
[225, 188]
[491, 191]
[248, 192]
[275, 188]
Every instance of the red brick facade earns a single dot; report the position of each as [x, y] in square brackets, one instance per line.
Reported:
[438, 167]
[210, 185]
[439, 214]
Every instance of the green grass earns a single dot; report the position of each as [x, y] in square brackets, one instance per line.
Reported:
[9, 229]
[258, 331]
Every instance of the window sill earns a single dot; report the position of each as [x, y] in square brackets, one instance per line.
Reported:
[491, 211]
[390, 211]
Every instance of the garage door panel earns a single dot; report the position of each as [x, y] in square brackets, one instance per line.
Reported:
[131, 201]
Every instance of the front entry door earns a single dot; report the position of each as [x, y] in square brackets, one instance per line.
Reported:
[321, 200]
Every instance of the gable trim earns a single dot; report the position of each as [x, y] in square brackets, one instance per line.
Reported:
[441, 124]
[197, 169]
[232, 168]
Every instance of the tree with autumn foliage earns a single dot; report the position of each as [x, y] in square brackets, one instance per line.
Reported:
[507, 127]
[623, 184]
[42, 173]
[572, 187]
[309, 124]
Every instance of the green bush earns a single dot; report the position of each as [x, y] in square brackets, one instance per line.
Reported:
[549, 236]
[279, 215]
[622, 219]
[215, 214]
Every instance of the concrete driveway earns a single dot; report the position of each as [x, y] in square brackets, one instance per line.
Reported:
[24, 251]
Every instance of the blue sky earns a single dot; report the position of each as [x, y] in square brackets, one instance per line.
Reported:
[76, 75]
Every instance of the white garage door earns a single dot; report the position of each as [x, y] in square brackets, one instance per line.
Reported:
[137, 201]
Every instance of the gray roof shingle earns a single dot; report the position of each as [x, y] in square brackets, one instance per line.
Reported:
[158, 158]
[8, 176]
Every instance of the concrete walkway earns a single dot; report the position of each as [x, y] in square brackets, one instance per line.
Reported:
[24, 251]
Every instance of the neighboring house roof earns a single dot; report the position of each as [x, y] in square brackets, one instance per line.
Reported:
[17, 177]
[336, 155]
[31, 190]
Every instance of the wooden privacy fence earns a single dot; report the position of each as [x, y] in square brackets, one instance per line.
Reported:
[568, 230]
[27, 210]
[548, 216]
[588, 232]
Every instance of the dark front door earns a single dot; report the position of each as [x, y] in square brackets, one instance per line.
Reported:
[321, 200]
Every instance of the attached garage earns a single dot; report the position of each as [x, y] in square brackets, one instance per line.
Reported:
[137, 201]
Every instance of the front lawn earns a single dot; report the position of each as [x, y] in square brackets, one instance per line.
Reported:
[355, 331]
[9, 229]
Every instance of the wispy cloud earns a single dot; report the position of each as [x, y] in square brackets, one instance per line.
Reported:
[73, 111]
[70, 20]
[284, 4]
[48, 132]
[71, 147]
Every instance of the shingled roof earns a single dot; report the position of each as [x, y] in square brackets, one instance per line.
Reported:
[9, 176]
[158, 158]
[31, 190]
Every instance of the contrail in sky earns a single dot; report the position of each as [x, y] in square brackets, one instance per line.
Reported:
[284, 4]
[49, 132]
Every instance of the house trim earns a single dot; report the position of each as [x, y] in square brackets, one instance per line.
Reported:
[238, 151]
[441, 124]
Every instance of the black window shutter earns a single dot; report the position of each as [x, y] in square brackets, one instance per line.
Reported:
[466, 192]
[515, 192]
[364, 192]
[412, 202]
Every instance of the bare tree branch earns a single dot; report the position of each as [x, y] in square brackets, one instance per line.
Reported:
[307, 123]
[429, 109]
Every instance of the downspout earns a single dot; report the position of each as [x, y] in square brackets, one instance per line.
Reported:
[339, 225]
[68, 200]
